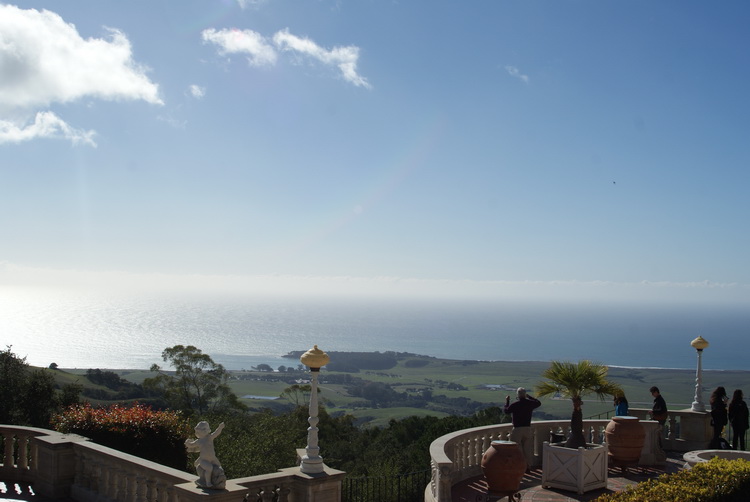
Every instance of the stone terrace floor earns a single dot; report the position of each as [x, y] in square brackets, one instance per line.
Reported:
[475, 489]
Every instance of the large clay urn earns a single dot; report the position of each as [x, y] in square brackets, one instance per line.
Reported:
[503, 465]
[625, 438]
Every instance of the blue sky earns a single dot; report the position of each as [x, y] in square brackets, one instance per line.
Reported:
[492, 147]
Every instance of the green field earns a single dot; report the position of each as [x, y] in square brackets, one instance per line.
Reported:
[483, 382]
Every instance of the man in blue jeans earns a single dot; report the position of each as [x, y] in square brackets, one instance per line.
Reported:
[520, 412]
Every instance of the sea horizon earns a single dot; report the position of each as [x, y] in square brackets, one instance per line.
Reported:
[87, 330]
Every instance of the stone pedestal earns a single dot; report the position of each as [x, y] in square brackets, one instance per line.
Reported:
[321, 487]
[695, 429]
[55, 465]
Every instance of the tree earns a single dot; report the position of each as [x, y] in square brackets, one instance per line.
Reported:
[27, 397]
[575, 380]
[297, 394]
[198, 385]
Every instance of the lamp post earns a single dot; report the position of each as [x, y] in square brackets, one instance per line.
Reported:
[312, 462]
[699, 344]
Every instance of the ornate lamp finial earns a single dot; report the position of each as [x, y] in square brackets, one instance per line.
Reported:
[699, 343]
[314, 358]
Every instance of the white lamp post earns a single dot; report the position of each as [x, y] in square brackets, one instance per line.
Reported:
[699, 344]
[312, 462]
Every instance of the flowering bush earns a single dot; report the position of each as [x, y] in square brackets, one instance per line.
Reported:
[158, 436]
[718, 480]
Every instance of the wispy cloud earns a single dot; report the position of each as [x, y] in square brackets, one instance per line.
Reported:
[197, 91]
[44, 61]
[248, 42]
[263, 51]
[516, 73]
[244, 4]
[45, 125]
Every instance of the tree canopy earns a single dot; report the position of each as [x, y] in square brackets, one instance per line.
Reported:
[575, 380]
[198, 385]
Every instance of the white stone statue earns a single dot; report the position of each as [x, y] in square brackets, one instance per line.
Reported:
[208, 468]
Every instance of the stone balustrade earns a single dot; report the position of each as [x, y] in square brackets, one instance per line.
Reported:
[63, 466]
[685, 430]
[457, 456]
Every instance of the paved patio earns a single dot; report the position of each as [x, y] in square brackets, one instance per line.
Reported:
[475, 489]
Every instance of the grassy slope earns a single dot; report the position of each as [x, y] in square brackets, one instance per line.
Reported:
[677, 386]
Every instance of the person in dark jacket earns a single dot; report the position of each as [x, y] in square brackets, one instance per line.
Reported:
[718, 414]
[738, 417]
[520, 412]
[659, 410]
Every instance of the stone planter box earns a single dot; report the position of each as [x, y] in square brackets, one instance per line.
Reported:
[579, 470]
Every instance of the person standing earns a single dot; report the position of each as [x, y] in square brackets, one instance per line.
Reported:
[621, 406]
[520, 411]
[718, 414]
[659, 410]
[738, 417]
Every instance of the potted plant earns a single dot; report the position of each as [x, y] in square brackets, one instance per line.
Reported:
[575, 465]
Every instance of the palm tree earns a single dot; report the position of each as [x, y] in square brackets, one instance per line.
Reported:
[575, 380]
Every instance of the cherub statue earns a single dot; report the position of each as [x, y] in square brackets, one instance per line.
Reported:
[207, 466]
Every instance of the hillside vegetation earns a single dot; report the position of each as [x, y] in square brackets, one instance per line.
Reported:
[377, 387]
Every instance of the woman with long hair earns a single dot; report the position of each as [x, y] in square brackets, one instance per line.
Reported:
[621, 405]
[718, 414]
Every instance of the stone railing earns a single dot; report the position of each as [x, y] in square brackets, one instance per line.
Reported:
[69, 467]
[685, 430]
[457, 456]
[17, 450]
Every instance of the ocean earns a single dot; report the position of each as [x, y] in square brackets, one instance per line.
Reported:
[119, 331]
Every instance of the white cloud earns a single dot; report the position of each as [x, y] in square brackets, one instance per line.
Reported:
[345, 58]
[43, 60]
[46, 125]
[197, 91]
[515, 72]
[262, 52]
[242, 42]
[244, 4]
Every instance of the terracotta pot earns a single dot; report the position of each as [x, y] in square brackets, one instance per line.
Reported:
[625, 438]
[503, 466]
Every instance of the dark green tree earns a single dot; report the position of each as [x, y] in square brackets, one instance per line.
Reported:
[198, 385]
[27, 396]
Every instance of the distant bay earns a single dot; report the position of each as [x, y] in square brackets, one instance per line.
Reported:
[87, 330]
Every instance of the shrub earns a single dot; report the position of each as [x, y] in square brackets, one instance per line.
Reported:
[158, 436]
[718, 480]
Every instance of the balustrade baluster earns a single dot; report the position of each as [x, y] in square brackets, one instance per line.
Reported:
[94, 475]
[151, 493]
[8, 457]
[460, 455]
[89, 468]
[140, 488]
[105, 479]
[131, 485]
[120, 475]
[162, 492]
[79, 477]
[267, 494]
[283, 493]
[22, 443]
